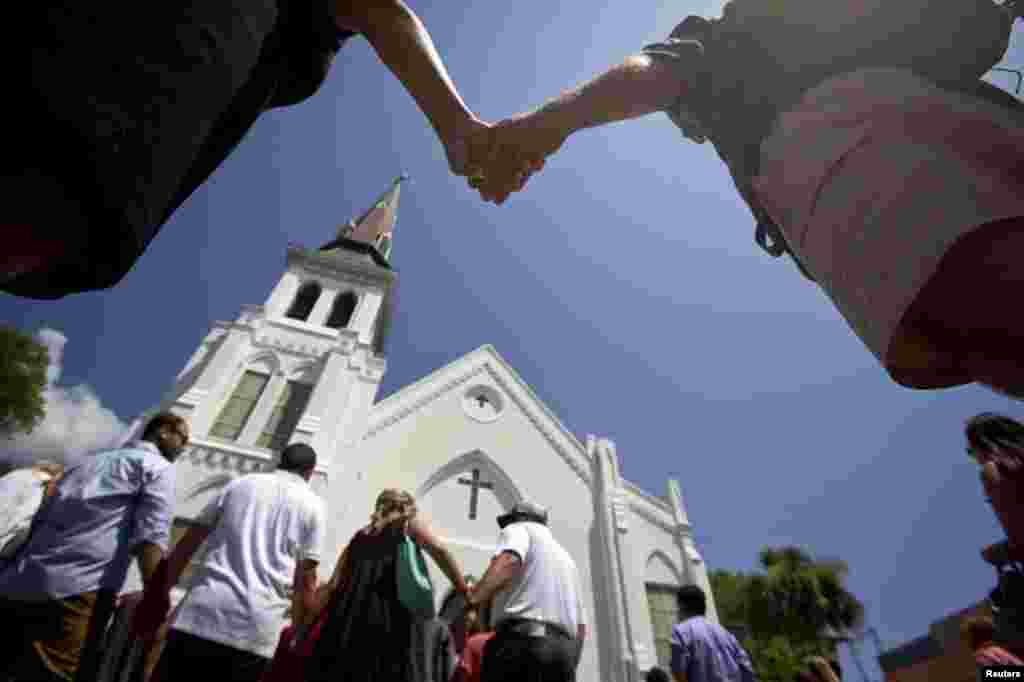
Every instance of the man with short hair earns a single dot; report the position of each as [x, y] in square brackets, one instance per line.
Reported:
[703, 651]
[264, 537]
[541, 628]
[61, 585]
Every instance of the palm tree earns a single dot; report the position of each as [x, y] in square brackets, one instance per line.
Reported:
[802, 599]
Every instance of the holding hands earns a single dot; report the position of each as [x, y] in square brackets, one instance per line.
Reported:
[499, 159]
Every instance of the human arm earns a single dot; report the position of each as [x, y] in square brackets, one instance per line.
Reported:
[151, 530]
[432, 545]
[823, 670]
[502, 570]
[640, 85]
[305, 604]
[306, 597]
[404, 45]
[679, 676]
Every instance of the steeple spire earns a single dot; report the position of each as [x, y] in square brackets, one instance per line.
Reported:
[376, 226]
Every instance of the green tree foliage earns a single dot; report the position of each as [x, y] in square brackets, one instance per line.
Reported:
[23, 363]
[793, 608]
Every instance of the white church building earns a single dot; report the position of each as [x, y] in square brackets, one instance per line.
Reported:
[468, 440]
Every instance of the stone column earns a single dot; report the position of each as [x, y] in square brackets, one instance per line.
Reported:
[692, 562]
[322, 307]
[366, 314]
[329, 402]
[606, 486]
[283, 294]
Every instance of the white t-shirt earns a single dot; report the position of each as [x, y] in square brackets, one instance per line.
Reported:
[263, 524]
[548, 588]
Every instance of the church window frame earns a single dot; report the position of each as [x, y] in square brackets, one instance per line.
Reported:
[343, 310]
[664, 613]
[233, 417]
[289, 406]
[476, 397]
[305, 300]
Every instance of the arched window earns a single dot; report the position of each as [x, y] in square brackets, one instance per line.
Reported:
[240, 405]
[341, 313]
[304, 301]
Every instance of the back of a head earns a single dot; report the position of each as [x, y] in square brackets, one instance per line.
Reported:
[393, 507]
[657, 674]
[297, 458]
[692, 601]
[989, 434]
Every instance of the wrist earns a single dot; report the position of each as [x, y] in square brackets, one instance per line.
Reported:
[455, 125]
[559, 117]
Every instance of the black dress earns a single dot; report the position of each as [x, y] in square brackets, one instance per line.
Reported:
[368, 635]
[132, 105]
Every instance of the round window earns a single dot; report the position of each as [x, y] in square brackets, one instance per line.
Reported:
[483, 403]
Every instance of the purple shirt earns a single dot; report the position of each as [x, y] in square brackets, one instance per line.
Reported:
[83, 537]
[707, 652]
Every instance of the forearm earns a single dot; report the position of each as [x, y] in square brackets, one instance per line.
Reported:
[404, 45]
[638, 86]
[304, 598]
[446, 562]
[149, 557]
[490, 584]
[183, 553]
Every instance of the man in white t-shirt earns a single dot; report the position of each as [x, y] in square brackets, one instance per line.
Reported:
[540, 628]
[264, 535]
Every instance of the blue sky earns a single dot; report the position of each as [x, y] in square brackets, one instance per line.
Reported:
[624, 285]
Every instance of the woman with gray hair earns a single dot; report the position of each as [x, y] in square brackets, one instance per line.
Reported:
[367, 634]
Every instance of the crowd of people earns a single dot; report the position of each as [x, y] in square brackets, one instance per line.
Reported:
[254, 609]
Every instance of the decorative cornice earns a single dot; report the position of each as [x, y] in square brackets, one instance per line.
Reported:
[232, 457]
[420, 403]
[221, 457]
[647, 497]
[192, 397]
[309, 424]
[543, 425]
[357, 268]
[645, 512]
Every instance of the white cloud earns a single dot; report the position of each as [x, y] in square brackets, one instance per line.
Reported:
[76, 421]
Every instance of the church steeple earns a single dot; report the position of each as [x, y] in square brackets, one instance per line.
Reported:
[376, 226]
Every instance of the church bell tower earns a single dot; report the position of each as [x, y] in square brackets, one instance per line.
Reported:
[303, 367]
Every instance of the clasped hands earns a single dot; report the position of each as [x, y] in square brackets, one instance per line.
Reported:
[498, 159]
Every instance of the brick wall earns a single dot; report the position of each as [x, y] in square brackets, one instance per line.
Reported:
[939, 656]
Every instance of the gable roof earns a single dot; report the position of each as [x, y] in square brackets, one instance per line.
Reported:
[485, 360]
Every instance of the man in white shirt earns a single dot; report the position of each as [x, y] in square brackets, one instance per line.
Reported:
[264, 535]
[540, 629]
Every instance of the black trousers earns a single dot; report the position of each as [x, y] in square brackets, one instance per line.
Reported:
[511, 657]
[187, 657]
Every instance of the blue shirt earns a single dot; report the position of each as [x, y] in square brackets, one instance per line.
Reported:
[707, 652]
[83, 537]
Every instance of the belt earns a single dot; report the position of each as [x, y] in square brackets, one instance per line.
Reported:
[533, 628]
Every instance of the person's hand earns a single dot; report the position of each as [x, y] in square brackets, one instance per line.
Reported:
[519, 147]
[467, 146]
